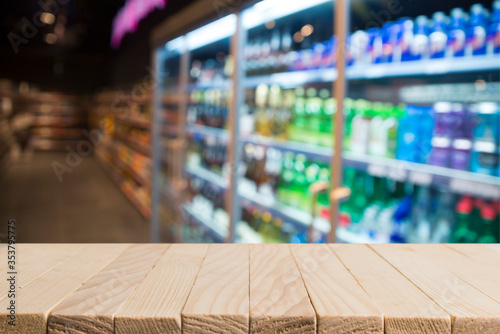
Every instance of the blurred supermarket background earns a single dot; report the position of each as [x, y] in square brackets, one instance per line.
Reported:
[214, 121]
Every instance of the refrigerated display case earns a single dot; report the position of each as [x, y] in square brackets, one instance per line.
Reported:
[412, 104]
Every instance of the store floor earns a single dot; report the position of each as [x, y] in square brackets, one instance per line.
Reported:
[85, 207]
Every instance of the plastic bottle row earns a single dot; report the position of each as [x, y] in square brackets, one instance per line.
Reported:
[460, 34]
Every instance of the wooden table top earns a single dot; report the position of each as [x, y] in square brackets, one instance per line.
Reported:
[185, 288]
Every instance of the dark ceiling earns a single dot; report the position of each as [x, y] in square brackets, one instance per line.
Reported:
[83, 60]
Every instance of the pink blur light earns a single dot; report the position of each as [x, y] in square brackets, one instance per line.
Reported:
[128, 18]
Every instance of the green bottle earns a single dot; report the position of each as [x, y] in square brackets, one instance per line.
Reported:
[496, 206]
[265, 229]
[313, 110]
[349, 113]
[299, 185]
[312, 173]
[327, 119]
[476, 222]
[346, 207]
[298, 123]
[488, 221]
[277, 234]
[323, 206]
[358, 200]
[286, 178]
[462, 232]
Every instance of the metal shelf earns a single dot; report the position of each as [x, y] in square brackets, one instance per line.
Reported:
[217, 84]
[207, 176]
[378, 71]
[461, 182]
[134, 121]
[424, 67]
[207, 131]
[292, 79]
[117, 177]
[134, 145]
[300, 218]
[216, 232]
[315, 152]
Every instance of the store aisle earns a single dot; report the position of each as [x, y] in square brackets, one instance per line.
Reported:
[85, 207]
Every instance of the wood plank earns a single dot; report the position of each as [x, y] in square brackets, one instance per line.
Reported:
[494, 247]
[156, 305]
[92, 307]
[341, 304]
[34, 261]
[471, 310]
[39, 297]
[278, 298]
[477, 253]
[406, 308]
[484, 278]
[220, 296]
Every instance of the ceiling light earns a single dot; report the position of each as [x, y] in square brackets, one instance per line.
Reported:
[50, 38]
[47, 18]
[307, 30]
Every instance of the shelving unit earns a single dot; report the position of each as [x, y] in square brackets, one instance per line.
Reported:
[423, 82]
[58, 119]
[6, 106]
[124, 150]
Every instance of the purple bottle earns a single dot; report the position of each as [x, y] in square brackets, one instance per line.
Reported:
[441, 152]
[457, 33]
[439, 36]
[443, 119]
[462, 121]
[450, 120]
[460, 155]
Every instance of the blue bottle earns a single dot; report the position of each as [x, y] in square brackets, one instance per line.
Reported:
[457, 33]
[389, 32]
[405, 38]
[401, 215]
[375, 45]
[478, 27]
[420, 44]
[439, 36]
[414, 142]
[494, 31]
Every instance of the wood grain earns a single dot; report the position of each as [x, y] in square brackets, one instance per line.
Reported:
[220, 296]
[278, 299]
[38, 298]
[481, 254]
[472, 311]
[91, 308]
[156, 304]
[484, 278]
[495, 247]
[406, 308]
[33, 261]
[341, 304]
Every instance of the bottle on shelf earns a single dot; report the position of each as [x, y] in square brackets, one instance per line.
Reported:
[494, 29]
[457, 33]
[487, 227]
[478, 30]
[463, 230]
